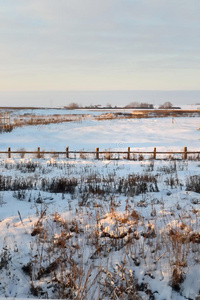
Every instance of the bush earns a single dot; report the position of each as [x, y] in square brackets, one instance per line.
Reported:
[61, 185]
[193, 184]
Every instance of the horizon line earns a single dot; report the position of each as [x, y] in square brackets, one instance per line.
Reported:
[106, 90]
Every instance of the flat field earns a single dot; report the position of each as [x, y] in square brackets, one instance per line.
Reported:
[81, 228]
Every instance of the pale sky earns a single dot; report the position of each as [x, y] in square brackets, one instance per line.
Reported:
[99, 45]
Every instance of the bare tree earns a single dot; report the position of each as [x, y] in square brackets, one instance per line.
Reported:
[108, 105]
[166, 105]
[73, 105]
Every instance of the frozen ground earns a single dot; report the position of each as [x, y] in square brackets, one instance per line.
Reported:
[163, 133]
[87, 229]
[106, 228]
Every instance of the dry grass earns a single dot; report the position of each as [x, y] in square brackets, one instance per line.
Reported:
[97, 249]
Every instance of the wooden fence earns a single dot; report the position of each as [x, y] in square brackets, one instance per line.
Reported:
[5, 123]
[97, 154]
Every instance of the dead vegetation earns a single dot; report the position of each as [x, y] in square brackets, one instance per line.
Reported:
[40, 120]
[59, 256]
[31, 119]
[117, 236]
[146, 113]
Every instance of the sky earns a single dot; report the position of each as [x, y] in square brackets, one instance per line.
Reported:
[89, 45]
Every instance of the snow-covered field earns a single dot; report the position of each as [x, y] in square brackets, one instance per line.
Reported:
[107, 229]
[118, 134]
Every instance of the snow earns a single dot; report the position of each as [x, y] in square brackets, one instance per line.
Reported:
[108, 134]
[156, 225]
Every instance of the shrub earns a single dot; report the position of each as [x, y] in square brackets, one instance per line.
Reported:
[193, 184]
[62, 185]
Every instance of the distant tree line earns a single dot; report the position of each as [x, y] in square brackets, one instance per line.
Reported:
[132, 105]
[139, 105]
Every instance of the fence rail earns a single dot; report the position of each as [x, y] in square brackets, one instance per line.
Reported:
[97, 153]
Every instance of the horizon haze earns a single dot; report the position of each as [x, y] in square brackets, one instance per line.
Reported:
[85, 98]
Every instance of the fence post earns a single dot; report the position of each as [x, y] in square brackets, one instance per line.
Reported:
[38, 152]
[97, 153]
[154, 153]
[185, 153]
[67, 152]
[9, 152]
[128, 153]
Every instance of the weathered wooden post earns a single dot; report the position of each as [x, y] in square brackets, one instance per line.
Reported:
[9, 152]
[38, 152]
[67, 152]
[3, 122]
[154, 153]
[97, 153]
[185, 153]
[128, 153]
